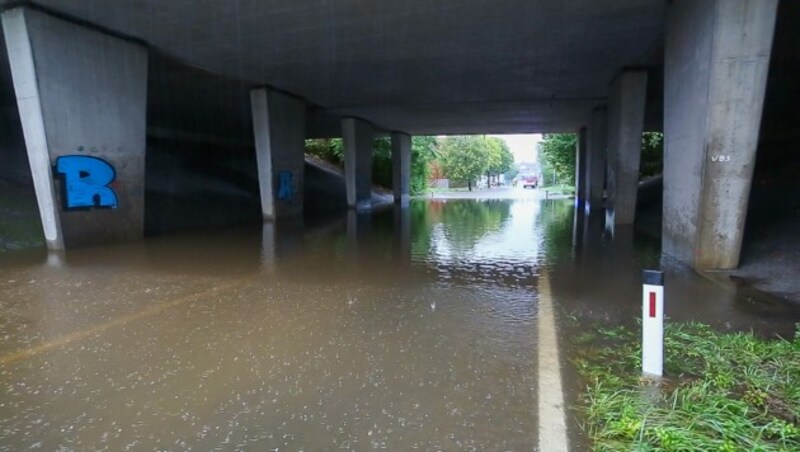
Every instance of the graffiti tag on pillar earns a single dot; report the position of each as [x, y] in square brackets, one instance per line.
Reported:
[285, 186]
[85, 182]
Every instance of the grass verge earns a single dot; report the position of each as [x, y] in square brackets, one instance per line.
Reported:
[721, 391]
[560, 189]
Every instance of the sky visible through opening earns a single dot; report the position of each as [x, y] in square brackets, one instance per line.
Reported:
[523, 146]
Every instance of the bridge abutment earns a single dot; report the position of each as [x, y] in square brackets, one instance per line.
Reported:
[82, 99]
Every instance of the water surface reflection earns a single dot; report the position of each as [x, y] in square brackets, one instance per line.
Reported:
[405, 328]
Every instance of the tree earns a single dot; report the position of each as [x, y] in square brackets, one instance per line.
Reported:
[500, 158]
[652, 154]
[424, 150]
[557, 154]
[465, 157]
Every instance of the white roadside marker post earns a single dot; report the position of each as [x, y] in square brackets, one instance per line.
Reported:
[653, 323]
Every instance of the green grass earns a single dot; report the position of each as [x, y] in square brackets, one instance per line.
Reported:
[721, 391]
[560, 189]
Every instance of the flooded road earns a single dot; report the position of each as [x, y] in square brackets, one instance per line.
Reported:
[401, 329]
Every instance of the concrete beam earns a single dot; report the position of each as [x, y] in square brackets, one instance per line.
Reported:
[581, 178]
[401, 167]
[82, 98]
[716, 60]
[626, 106]
[358, 136]
[279, 124]
[596, 158]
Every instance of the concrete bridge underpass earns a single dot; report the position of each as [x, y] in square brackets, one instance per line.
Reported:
[86, 85]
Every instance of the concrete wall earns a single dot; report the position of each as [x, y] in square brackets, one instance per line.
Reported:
[13, 157]
[80, 92]
[279, 124]
[716, 62]
[581, 167]
[358, 136]
[687, 62]
[596, 157]
[401, 167]
[288, 129]
[775, 194]
[195, 185]
[626, 109]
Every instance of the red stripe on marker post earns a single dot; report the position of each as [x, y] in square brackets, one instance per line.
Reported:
[652, 305]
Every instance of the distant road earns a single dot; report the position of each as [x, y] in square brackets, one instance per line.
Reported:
[492, 193]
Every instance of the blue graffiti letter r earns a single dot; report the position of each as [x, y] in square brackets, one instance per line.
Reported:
[86, 181]
[285, 189]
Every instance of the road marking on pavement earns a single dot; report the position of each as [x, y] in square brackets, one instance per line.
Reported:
[97, 329]
[552, 418]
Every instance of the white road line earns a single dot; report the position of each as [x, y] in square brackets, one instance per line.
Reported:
[552, 423]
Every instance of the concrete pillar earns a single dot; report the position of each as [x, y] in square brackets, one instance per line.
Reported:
[358, 138]
[596, 158]
[401, 167]
[716, 60]
[82, 99]
[626, 105]
[580, 167]
[279, 124]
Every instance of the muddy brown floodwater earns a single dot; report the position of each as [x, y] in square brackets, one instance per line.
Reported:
[403, 329]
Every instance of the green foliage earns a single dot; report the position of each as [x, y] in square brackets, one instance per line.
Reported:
[423, 150]
[382, 162]
[557, 238]
[328, 149]
[557, 156]
[463, 222]
[722, 392]
[500, 158]
[652, 154]
[512, 173]
[465, 157]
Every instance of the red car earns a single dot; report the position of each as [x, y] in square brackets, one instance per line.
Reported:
[530, 181]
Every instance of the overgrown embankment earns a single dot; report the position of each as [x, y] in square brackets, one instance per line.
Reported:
[721, 391]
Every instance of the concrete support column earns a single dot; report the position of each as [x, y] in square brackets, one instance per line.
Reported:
[358, 138]
[581, 178]
[596, 158]
[82, 99]
[716, 61]
[401, 167]
[279, 124]
[626, 105]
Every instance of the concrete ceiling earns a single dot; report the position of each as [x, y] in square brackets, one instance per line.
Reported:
[420, 66]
